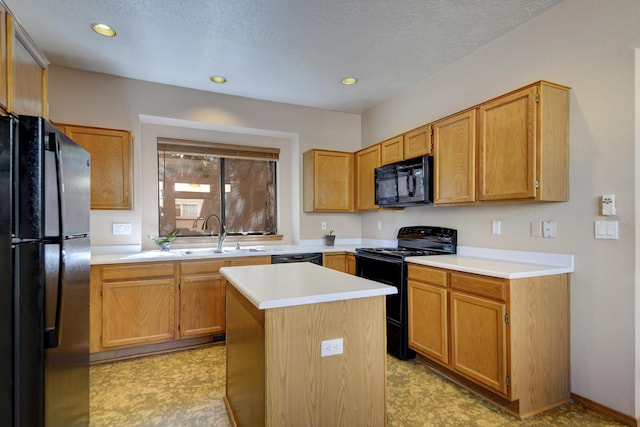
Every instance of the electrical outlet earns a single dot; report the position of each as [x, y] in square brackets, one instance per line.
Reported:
[323, 225]
[331, 347]
[120, 228]
[379, 225]
[549, 229]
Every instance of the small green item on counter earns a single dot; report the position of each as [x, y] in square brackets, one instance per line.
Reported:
[165, 242]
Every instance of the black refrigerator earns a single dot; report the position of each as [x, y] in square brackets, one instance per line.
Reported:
[44, 275]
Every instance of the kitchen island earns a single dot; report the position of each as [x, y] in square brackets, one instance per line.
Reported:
[279, 318]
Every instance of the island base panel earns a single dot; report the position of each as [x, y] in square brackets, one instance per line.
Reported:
[245, 393]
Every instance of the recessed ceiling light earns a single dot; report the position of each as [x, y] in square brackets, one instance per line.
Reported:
[218, 79]
[103, 30]
[349, 81]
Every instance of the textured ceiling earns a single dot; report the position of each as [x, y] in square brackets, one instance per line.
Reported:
[292, 51]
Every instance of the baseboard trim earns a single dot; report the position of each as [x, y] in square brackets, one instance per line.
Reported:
[151, 349]
[618, 416]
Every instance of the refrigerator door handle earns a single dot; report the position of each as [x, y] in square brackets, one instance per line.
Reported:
[54, 257]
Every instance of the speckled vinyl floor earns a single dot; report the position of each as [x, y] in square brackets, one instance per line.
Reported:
[186, 388]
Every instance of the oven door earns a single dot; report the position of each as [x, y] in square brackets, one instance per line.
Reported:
[390, 271]
[387, 271]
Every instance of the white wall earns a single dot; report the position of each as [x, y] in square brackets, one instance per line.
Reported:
[589, 46]
[150, 110]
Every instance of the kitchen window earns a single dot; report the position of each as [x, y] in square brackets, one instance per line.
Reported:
[236, 183]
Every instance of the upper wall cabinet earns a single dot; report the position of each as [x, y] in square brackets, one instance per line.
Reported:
[392, 150]
[23, 88]
[454, 140]
[327, 181]
[110, 151]
[523, 145]
[366, 161]
[412, 144]
[417, 142]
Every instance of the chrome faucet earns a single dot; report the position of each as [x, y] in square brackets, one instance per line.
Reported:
[222, 235]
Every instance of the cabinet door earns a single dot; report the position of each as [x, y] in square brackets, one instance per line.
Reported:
[392, 150]
[351, 265]
[27, 81]
[367, 161]
[479, 340]
[110, 164]
[3, 57]
[137, 312]
[417, 142]
[428, 316]
[328, 181]
[335, 262]
[202, 305]
[506, 166]
[454, 159]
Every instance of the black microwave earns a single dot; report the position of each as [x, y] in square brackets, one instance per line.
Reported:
[405, 183]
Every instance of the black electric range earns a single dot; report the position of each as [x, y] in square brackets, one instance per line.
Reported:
[387, 265]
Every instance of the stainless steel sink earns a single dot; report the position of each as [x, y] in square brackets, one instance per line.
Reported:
[212, 251]
[241, 250]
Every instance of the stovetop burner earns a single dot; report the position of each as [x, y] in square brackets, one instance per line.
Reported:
[399, 252]
[419, 241]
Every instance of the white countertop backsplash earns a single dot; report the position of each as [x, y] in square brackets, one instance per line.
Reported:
[505, 263]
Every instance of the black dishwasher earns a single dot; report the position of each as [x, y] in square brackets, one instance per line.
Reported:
[314, 257]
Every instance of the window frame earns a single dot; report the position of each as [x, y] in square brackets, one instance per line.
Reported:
[221, 151]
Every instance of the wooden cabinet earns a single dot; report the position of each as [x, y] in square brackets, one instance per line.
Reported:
[454, 140]
[134, 306]
[137, 304]
[110, 149]
[3, 58]
[328, 181]
[366, 161]
[414, 143]
[427, 302]
[343, 262]
[202, 296]
[23, 86]
[417, 142]
[335, 262]
[523, 145]
[507, 340]
[478, 340]
[392, 150]
[351, 264]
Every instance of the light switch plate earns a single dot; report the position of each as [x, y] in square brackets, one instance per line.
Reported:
[607, 230]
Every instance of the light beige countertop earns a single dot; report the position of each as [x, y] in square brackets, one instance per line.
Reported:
[507, 264]
[286, 285]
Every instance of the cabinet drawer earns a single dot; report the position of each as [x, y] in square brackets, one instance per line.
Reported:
[429, 275]
[254, 260]
[137, 271]
[479, 285]
[196, 267]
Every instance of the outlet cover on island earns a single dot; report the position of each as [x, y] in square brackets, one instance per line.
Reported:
[331, 347]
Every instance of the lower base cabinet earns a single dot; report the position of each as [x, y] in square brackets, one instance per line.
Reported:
[345, 263]
[138, 308]
[506, 340]
[137, 304]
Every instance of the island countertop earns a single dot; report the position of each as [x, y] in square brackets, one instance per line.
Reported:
[286, 285]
